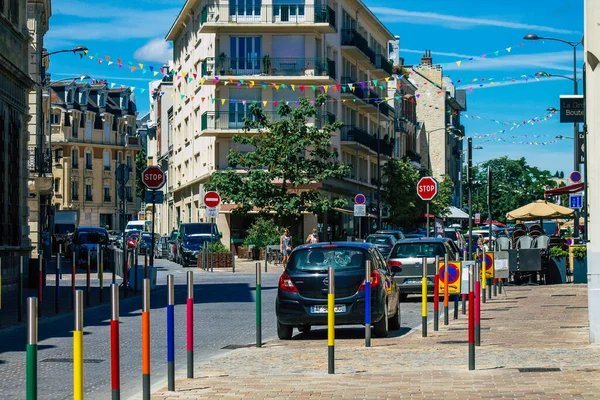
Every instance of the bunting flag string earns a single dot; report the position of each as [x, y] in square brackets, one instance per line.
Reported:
[495, 53]
[513, 124]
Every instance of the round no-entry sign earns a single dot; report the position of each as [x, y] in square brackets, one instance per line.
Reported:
[153, 177]
[212, 199]
[427, 188]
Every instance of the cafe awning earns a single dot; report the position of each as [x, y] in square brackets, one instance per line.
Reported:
[539, 209]
[570, 189]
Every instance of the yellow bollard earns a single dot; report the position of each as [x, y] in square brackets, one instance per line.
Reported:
[78, 347]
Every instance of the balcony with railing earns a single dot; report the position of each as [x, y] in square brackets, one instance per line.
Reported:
[89, 198]
[234, 16]
[364, 141]
[356, 45]
[382, 66]
[270, 66]
[324, 118]
[356, 90]
[229, 123]
[40, 161]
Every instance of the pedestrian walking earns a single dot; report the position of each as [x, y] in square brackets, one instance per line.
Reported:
[482, 246]
[285, 246]
[313, 237]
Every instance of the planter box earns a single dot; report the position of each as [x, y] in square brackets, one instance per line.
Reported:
[242, 252]
[580, 270]
[219, 260]
[557, 270]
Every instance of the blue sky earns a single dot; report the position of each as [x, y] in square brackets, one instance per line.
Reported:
[452, 30]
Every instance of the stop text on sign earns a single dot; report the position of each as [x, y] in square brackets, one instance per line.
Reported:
[427, 188]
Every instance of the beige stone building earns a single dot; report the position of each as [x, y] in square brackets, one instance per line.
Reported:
[15, 85]
[93, 131]
[328, 45]
[40, 157]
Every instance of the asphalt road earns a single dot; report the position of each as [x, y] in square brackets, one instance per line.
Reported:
[224, 315]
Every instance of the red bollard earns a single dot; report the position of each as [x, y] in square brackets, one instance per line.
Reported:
[114, 343]
[436, 294]
[472, 271]
[190, 325]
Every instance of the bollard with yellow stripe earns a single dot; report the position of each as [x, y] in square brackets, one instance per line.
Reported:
[424, 297]
[78, 347]
[331, 323]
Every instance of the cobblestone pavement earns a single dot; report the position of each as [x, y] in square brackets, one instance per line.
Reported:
[524, 329]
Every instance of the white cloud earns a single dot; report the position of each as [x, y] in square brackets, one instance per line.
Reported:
[156, 50]
[387, 14]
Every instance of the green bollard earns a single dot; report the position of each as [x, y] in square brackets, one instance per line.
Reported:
[32, 348]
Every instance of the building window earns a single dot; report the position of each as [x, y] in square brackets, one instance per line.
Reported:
[75, 190]
[55, 119]
[106, 192]
[128, 162]
[58, 155]
[88, 128]
[57, 185]
[13, 11]
[189, 211]
[74, 159]
[106, 160]
[107, 130]
[75, 128]
[102, 99]
[88, 159]
[88, 192]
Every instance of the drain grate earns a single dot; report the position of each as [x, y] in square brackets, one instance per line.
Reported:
[554, 305]
[454, 342]
[466, 329]
[538, 369]
[571, 307]
[498, 309]
[563, 295]
[574, 327]
[70, 360]
[237, 346]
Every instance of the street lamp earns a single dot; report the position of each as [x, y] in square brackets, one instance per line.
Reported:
[77, 49]
[548, 75]
[563, 137]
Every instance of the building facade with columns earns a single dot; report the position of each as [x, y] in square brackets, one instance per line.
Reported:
[228, 56]
[15, 85]
[93, 130]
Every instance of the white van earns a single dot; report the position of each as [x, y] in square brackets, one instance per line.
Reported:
[139, 225]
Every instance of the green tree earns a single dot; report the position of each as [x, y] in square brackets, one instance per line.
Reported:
[141, 162]
[514, 184]
[288, 155]
[399, 182]
[440, 205]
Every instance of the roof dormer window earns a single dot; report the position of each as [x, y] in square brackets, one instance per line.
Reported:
[124, 102]
[101, 99]
[83, 97]
[71, 96]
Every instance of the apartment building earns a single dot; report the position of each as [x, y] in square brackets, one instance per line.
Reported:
[93, 130]
[40, 156]
[15, 85]
[438, 108]
[232, 54]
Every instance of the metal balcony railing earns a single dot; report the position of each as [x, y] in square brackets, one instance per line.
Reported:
[88, 198]
[351, 133]
[357, 90]
[324, 118]
[226, 12]
[382, 62]
[75, 197]
[275, 66]
[229, 119]
[350, 37]
[40, 160]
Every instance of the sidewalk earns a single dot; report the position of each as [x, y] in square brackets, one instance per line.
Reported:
[528, 327]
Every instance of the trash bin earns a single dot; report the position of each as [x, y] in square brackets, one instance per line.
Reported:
[580, 270]
[136, 277]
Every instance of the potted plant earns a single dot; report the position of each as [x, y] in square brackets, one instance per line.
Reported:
[266, 65]
[222, 60]
[217, 256]
[262, 233]
[579, 264]
[557, 267]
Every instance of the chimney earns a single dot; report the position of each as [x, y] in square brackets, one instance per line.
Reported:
[426, 58]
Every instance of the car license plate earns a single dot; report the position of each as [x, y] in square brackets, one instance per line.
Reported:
[412, 281]
[323, 309]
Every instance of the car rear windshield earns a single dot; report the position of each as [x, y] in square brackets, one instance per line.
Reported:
[63, 229]
[412, 250]
[378, 240]
[198, 228]
[196, 239]
[320, 259]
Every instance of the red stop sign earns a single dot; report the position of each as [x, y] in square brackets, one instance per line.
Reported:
[427, 188]
[153, 177]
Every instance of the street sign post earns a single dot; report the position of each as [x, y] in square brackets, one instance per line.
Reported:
[360, 209]
[212, 201]
[154, 178]
[427, 189]
[159, 197]
[212, 212]
[576, 201]
[477, 218]
[575, 176]
[454, 279]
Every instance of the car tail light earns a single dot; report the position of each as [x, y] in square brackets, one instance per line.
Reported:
[394, 263]
[374, 281]
[286, 284]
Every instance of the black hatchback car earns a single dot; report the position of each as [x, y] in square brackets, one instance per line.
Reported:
[303, 287]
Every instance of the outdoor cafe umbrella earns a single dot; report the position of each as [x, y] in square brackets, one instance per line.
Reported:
[539, 209]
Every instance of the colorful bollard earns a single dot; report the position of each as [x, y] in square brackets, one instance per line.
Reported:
[483, 279]
[436, 295]
[146, 341]
[258, 307]
[100, 269]
[115, 367]
[424, 297]
[472, 271]
[78, 347]
[446, 294]
[171, 333]
[456, 296]
[190, 324]
[32, 348]
[331, 322]
[88, 285]
[495, 287]
[477, 299]
[40, 282]
[368, 303]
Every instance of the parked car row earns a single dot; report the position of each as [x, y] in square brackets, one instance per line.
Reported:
[303, 287]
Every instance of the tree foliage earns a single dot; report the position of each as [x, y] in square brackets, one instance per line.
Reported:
[263, 232]
[514, 184]
[400, 193]
[141, 162]
[288, 155]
